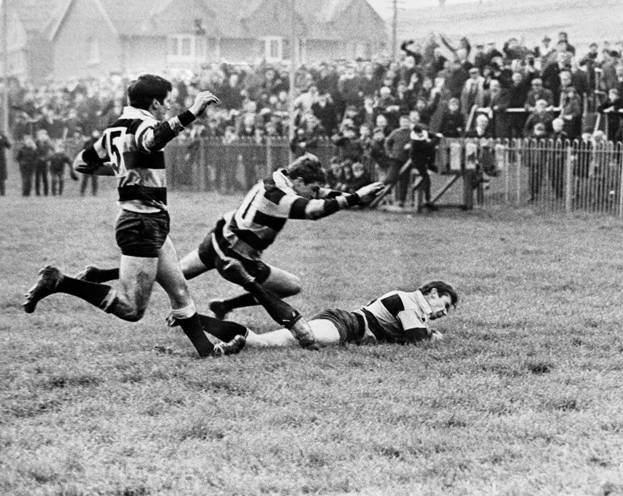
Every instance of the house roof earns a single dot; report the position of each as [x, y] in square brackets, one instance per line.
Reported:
[35, 15]
[141, 17]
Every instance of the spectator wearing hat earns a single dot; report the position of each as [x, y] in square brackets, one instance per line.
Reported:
[611, 108]
[496, 103]
[551, 74]
[564, 38]
[545, 53]
[473, 92]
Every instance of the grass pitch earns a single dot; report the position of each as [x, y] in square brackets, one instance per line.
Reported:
[522, 397]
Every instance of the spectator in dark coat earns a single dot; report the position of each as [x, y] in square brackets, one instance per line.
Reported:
[4, 144]
[611, 109]
[325, 111]
[540, 115]
[452, 120]
[517, 94]
[44, 151]
[536, 158]
[558, 157]
[497, 102]
[538, 92]
[58, 160]
[397, 148]
[27, 159]
[422, 155]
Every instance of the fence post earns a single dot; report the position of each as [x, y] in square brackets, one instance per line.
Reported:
[269, 155]
[519, 162]
[568, 180]
[620, 180]
[201, 186]
[507, 166]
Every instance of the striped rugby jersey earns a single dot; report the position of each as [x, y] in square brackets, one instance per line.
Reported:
[253, 227]
[395, 312]
[132, 146]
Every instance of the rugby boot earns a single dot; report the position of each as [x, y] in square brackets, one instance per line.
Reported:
[89, 273]
[48, 281]
[230, 347]
[217, 307]
[304, 335]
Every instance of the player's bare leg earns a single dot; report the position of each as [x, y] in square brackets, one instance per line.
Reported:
[192, 266]
[128, 302]
[324, 331]
[172, 280]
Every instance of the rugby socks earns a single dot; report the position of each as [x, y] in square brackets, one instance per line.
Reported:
[244, 300]
[104, 275]
[193, 329]
[188, 319]
[99, 295]
[222, 329]
[281, 312]
[95, 274]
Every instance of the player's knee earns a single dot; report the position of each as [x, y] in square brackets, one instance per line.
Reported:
[179, 296]
[294, 286]
[134, 315]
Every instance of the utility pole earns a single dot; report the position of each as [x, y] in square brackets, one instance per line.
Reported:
[292, 70]
[395, 30]
[5, 68]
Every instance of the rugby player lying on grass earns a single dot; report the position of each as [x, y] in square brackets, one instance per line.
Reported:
[396, 317]
[235, 246]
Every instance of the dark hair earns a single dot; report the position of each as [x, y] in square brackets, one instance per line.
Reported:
[143, 91]
[308, 168]
[443, 288]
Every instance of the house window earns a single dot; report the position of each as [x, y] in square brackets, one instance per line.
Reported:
[186, 48]
[94, 50]
[273, 48]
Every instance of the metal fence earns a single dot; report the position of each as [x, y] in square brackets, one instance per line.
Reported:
[548, 175]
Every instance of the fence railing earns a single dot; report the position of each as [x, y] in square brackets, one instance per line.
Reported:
[547, 175]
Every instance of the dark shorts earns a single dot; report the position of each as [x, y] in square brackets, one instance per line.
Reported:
[141, 235]
[210, 258]
[350, 325]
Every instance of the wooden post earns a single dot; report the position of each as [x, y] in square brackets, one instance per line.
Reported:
[568, 180]
[269, 155]
[202, 166]
[519, 165]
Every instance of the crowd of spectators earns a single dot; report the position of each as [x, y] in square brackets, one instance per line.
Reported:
[454, 89]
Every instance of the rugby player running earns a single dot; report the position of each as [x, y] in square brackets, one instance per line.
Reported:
[132, 150]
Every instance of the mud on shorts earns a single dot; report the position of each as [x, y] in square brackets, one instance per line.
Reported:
[210, 257]
[350, 325]
[141, 234]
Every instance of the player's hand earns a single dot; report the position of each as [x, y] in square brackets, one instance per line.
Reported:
[369, 192]
[202, 100]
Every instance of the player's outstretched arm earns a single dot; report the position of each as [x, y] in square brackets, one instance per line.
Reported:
[154, 137]
[316, 209]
